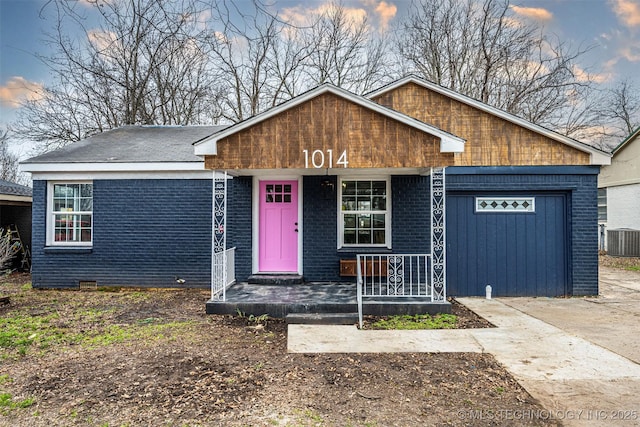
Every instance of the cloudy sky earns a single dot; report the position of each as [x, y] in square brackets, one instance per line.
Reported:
[610, 27]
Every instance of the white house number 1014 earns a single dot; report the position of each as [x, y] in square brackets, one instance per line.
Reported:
[324, 159]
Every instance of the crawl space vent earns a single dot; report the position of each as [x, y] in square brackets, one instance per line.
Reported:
[88, 285]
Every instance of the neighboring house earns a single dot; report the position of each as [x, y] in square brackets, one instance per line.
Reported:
[15, 215]
[619, 191]
[302, 189]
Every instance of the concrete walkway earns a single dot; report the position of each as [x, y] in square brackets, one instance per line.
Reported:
[578, 356]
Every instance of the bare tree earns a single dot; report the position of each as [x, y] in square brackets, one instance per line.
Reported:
[612, 114]
[262, 60]
[203, 61]
[477, 49]
[188, 61]
[244, 52]
[621, 108]
[146, 63]
[289, 57]
[345, 51]
[8, 160]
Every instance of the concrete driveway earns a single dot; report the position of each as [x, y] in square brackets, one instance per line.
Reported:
[611, 322]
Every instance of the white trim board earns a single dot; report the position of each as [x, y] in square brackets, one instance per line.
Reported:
[14, 198]
[88, 167]
[93, 176]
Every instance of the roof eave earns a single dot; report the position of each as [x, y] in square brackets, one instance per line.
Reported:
[600, 159]
[15, 198]
[451, 145]
[626, 141]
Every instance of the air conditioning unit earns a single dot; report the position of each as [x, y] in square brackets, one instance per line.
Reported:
[623, 242]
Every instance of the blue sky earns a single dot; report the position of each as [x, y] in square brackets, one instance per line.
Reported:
[611, 27]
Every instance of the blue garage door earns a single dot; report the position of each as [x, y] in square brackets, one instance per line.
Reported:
[501, 240]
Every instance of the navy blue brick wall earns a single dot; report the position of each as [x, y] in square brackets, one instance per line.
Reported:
[410, 225]
[145, 233]
[239, 223]
[411, 210]
[320, 258]
[581, 185]
[38, 221]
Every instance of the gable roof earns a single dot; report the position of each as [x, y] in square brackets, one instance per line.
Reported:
[598, 157]
[628, 140]
[448, 142]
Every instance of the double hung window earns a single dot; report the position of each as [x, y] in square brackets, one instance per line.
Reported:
[602, 205]
[70, 214]
[364, 213]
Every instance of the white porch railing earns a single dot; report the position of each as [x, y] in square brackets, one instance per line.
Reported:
[224, 273]
[393, 276]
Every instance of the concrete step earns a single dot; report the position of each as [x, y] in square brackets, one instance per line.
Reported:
[275, 279]
[322, 318]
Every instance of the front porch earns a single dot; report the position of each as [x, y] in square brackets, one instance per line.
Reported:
[382, 283]
[280, 300]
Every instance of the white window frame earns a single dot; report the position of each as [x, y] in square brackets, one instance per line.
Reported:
[602, 203]
[387, 213]
[531, 201]
[50, 239]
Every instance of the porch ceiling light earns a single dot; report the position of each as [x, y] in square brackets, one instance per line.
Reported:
[327, 184]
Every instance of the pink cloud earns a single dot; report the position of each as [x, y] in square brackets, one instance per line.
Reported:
[628, 11]
[18, 89]
[386, 12]
[535, 13]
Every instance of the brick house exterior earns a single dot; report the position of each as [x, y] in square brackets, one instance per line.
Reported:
[150, 223]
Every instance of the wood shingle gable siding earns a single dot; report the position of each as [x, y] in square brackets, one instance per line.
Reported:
[491, 140]
[328, 122]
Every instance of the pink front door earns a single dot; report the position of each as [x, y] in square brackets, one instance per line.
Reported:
[278, 227]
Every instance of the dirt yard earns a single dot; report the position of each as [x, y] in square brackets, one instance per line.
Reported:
[625, 263]
[154, 358]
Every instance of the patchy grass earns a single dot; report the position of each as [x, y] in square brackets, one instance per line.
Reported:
[37, 322]
[418, 321]
[22, 333]
[142, 331]
[8, 403]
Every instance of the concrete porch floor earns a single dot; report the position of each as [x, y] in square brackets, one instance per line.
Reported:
[312, 297]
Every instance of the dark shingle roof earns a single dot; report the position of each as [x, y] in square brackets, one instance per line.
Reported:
[133, 144]
[13, 189]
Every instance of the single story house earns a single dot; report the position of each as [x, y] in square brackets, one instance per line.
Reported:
[619, 199]
[15, 216]
[302, 190]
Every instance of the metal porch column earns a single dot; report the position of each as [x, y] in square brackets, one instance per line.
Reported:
[219, 237]
[438, 236]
